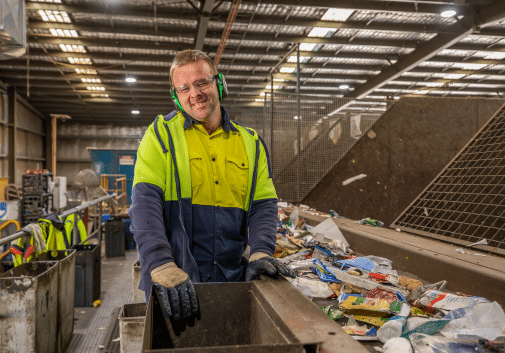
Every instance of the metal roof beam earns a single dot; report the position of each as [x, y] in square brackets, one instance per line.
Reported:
[381, 6]
[203, 22]
[484, 16]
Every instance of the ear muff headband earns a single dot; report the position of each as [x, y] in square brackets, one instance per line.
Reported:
[221, 87]
[175, 100]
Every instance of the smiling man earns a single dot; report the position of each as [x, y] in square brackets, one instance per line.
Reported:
[202, 192]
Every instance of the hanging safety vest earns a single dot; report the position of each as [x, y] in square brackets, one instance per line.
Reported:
[69, 230]
[22, 251]
[52, 236]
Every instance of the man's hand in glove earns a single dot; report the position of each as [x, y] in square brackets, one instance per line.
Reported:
[175, 291]
[264, 264]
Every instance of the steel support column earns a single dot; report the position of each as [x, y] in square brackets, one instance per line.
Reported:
[11, 135]
[203, 23]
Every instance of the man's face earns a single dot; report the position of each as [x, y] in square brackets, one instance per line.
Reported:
[201, 104]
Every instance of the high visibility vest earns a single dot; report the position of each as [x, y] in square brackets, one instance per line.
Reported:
[69, 229]
[52, 236]
[22, 251]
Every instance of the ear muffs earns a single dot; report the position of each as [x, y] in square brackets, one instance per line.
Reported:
[221, 87]
[175, 100]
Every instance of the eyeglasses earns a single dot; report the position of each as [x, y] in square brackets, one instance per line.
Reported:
[201, 85]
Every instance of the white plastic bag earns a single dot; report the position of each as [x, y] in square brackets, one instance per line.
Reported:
[486, 320]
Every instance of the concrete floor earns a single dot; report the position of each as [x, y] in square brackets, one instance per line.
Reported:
[96, 329]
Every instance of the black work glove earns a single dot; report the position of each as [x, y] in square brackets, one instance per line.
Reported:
[175, 290]
[263, 264]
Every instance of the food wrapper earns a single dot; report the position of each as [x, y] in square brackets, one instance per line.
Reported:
[415, 311]
[335, 314]
[283, 252]
[410, 283]
[380, 293]
[295, 241]
[324, 274]
[371, 317]
[433, 299]
[371, 304]
[428, 328]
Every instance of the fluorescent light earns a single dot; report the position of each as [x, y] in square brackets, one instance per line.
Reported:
[99, 95]
[135, 112]
[54, 16]
[95, 88]
[295, 117]
[262, 94]
[303, 59]
[131, 79]
[63, 32]
[91, 80]
[321, 32]
[424, 91]
[259, 100]
[72, 48]
[307, 46]
[275, 87]
[81, 61]
[279, 80]
[335, 14]
[435, 84]
[448, 13]
[454, 76]
[56, 1]
[496, 56]
[344, 86]
[86, 71]
[473, 66]
[288, 69]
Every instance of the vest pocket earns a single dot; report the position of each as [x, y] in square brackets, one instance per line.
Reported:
[195, 162]
[237, 171]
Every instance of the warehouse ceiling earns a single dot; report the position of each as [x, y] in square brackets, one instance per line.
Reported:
[81, 52]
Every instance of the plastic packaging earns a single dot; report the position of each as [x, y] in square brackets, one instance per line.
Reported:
[397, 345]
[437, 344]
[486, 320]
[312, 288]
[392, 328]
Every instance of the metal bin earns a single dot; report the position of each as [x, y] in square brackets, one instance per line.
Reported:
[29, 307]
[87, 274]
[132, 319]
[66, 287]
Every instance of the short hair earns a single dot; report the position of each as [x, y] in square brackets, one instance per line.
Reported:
[189, 56]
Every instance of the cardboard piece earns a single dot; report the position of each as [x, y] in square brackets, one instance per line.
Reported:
[330, 231]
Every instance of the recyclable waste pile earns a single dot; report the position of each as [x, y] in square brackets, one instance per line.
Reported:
[373, 302]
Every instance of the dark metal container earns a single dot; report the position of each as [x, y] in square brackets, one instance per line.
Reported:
[87, 274]
[114, 238]
[269, 315]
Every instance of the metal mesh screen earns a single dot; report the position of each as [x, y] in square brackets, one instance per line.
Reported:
[322, 128]
[465, 203]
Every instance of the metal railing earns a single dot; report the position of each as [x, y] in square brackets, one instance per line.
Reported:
[76, 238]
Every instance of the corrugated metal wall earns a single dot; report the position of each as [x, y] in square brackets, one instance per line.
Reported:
[29, 136]
[73, 139]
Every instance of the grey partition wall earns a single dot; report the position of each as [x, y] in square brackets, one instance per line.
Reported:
[402, 153]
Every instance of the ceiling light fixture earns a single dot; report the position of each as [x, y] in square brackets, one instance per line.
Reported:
[82, 61]
[135, 112]
[54, 16]
[72, 48]
[86, 72]
[496, 56]
[448, 13]
[321, 32]
[454, 76]
[287, 70]
[131, 79]
[303, 59]
[58, 32]
[95, 88]
[91, 80]
[344, 86]
[307, 46]
[335, 14]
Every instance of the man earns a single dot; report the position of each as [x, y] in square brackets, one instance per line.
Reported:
[202, 191]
